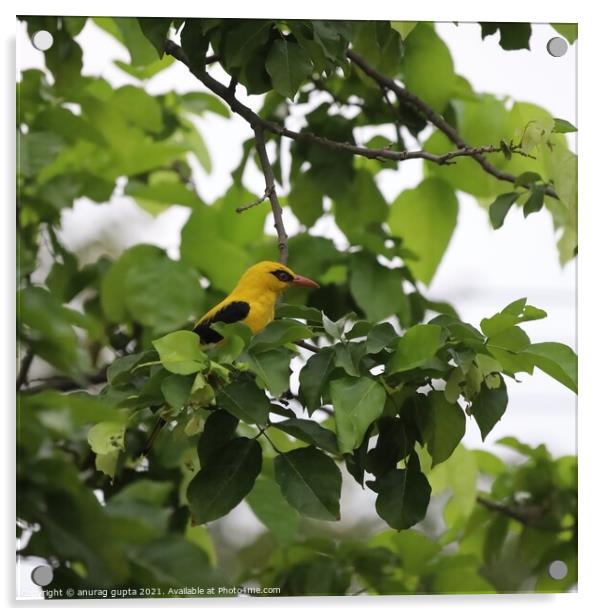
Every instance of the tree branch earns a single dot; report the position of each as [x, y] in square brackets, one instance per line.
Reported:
[437, 120]
[254, 120]
[24, 369]
[258, 201]
[306, 345]
[529, 515]
[270, 191]
[63, 383]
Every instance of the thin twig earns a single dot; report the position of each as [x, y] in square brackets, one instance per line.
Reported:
[378, 154]
[61, 383]
[527, 515]
[395, 117]
[24, 369]
[270, 190]
[435, 119]
[306, 345]
[244, 208]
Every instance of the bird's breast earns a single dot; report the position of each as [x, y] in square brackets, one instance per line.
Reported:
[260, 314]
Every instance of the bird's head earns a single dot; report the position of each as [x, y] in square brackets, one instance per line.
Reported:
[275, 277]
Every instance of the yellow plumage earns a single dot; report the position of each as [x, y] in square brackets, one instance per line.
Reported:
[253, 300]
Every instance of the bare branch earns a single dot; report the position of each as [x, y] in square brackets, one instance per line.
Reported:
[306, 345]
[24, 369]
[435, 119]
[63, 383]
[529, 515]
[259, 200]
[254, 120]
[270, 191]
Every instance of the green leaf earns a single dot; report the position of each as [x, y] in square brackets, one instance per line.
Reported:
[488, 407]
[425, 218]
[445, 428]
[143, 73]
[535, 201]
[403, 495]
[113, 285]
[36, 150]
[156, 29]
[107, 436]
[139, 108]
[563, 126]
[404, 27]
[213, 254]
[569, 31]
[172, 562]
[241, 229]
[245, 400]
[500, 207]
[377, 289]
[306, 199]
[142, 51]
[176, 390]
[180, 352]
[311, 482]
[49, 330]
[555, 359]
[180, 299]
[219, 429]
[280, 332]
[227, 477]
[310, 432]
[379, 337]
[290, 311]
[163, 191]
[288, 65]
[200, 102]
[271, 367]
[268, 504]
[416, 346]
[512, 35]
[360, 204]
[243, 40]
[314, 377]
[357, 403]
[511, 339]
[428, 68]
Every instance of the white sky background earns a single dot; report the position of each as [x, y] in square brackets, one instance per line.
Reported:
[482, 270]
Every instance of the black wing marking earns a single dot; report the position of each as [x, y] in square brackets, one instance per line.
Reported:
[231, 313]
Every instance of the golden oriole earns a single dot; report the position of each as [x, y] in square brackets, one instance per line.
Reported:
[252, 301]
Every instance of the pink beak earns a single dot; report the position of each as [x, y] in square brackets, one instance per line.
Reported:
[301, 281]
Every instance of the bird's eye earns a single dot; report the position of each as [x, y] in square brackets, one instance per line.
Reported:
[282, 275]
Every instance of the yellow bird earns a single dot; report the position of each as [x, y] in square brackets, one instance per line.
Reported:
[252, 301]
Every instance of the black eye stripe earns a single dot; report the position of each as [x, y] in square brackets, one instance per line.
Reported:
[282, 275]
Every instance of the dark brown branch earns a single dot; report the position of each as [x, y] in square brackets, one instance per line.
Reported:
[24, 369]
[379, 154]
[437, 120]
[529, 515]
[62, 383]
[306, 345]
[270, 191]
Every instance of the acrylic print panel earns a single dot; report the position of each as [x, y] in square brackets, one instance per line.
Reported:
[406, 427]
